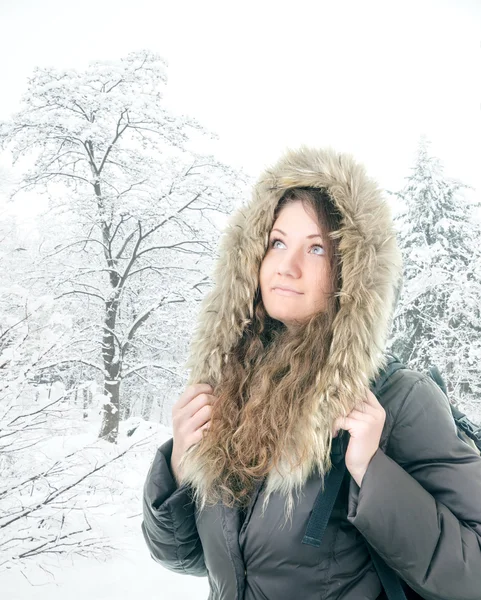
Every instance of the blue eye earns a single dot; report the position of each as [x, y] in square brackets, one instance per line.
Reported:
[318, 246]
[275, 240]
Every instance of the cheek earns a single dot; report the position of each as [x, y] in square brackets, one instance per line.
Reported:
[265, 277]
[323, 282]
[263, 272]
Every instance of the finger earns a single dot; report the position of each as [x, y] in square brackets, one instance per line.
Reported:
[199, 433]
[196, 404]
[206, 425]
[191, 392]
[366, 409]
[346, 423]
[203, 427]
[201, 417]
[360, 415]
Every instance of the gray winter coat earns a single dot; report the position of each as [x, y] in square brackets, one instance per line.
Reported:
[419, 505]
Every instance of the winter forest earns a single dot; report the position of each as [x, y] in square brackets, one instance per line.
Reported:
[101, 282]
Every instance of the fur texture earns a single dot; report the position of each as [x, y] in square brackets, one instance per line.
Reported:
[371, 270]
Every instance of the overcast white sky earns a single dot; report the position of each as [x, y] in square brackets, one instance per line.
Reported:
[365, 76]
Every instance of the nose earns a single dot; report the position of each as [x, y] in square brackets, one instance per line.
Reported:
[289, 266]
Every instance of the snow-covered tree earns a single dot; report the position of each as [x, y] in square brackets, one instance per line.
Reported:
[129, 205]
[52, 480]
[438, 319]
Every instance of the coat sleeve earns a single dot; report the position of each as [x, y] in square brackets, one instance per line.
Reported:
[419, 505]
[168, 525]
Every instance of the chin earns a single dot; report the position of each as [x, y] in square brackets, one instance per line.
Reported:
[283, 316]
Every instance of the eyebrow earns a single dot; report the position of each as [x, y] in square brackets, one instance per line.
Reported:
[308, 236]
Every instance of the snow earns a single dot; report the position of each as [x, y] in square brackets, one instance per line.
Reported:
[133, 575]
[129, 571]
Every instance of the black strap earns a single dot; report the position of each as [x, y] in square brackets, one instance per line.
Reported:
[326, 499]
[317, 524]
[436, 376]
[472, 430]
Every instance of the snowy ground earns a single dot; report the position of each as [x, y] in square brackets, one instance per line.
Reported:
[133, 575]
[129, 572]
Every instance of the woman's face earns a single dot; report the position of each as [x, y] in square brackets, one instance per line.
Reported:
[295, 259]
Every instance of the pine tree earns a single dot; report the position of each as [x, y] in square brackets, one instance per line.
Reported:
[438, 318]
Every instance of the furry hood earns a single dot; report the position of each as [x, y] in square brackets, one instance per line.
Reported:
[371, 269]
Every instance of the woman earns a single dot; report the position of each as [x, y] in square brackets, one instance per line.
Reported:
[287, 344]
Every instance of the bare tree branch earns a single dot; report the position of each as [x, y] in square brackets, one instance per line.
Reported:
[30, 510]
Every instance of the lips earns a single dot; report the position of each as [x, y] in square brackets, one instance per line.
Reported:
[284, 291]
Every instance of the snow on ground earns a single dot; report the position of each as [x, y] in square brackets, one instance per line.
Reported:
[134, 575]
[129, 572]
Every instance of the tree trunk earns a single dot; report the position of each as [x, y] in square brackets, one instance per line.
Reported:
[111, 409]
[126, 409]
[110, 422]
[85, 400]
[147, 403]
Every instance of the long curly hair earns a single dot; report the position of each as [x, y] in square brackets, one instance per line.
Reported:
[269, 380]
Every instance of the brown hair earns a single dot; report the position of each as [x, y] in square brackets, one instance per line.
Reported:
[269, 379]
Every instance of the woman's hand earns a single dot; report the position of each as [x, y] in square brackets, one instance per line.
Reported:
[365, 425]
[190, 416]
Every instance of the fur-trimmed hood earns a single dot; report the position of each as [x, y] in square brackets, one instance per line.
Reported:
[371, 269]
